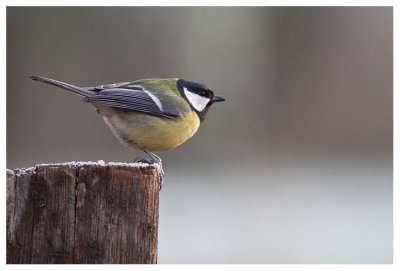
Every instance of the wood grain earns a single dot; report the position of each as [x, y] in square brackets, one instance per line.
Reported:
[83, 213]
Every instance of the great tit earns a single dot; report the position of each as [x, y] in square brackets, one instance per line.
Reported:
[149, 114]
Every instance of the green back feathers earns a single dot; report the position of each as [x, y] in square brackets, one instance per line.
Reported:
[166, 90]
[157, 84]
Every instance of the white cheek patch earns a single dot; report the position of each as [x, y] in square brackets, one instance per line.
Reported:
[197, 101]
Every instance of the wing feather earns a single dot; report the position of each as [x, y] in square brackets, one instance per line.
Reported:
[133, 99]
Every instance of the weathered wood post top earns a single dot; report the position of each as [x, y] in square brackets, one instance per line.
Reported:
[83, 212]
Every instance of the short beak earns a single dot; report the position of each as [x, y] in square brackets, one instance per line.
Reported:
[218, 99]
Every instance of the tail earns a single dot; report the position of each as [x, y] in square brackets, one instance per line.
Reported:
[77, 90]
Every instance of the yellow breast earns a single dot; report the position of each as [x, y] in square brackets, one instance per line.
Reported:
[153, 133]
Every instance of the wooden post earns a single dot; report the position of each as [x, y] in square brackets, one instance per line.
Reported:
[83, 213]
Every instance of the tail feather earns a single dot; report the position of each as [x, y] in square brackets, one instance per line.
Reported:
[77, 90]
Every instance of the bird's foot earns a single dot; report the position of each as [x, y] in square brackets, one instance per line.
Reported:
[144, 160]
[153, 159]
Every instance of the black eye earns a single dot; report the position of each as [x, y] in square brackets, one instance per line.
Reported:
[203, 93]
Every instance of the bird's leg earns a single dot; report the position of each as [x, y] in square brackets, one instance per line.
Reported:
[154, 159]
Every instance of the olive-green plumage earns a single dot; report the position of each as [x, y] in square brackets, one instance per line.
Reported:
[166, 90]
[149, 114]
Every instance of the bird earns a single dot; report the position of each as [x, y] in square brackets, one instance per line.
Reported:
[155, 114]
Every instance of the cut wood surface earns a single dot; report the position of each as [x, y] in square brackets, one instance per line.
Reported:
[83, 212]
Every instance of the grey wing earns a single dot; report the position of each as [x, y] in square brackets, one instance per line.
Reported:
[114, 85]
[136, 100]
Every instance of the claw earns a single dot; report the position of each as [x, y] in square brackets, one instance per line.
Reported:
[153, 159]
[144, 160]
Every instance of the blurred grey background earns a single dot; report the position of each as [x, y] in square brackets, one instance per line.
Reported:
[296, 165]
